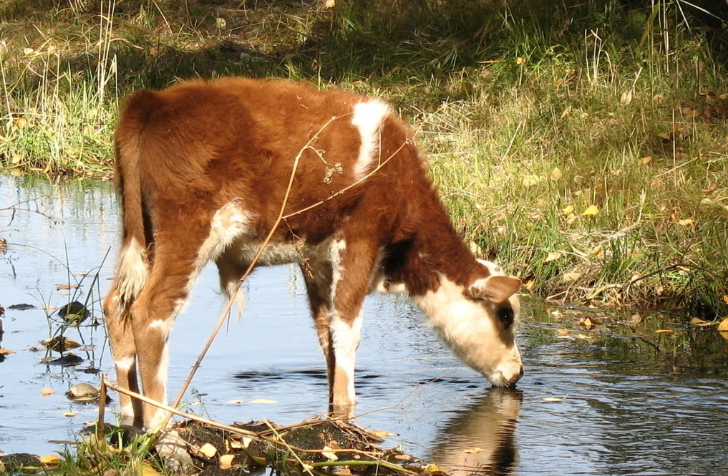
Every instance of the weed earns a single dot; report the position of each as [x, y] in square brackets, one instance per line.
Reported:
[588, 131]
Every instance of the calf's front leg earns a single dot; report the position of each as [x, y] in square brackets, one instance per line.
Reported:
[351, 264]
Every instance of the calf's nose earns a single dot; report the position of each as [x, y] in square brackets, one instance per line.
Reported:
[516, 377]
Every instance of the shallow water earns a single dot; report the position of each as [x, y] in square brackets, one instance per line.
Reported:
[591, 402]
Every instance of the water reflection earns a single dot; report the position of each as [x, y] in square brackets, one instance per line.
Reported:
[636, 401]
[481, 440]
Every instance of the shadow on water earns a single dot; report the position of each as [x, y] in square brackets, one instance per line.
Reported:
[610, 395]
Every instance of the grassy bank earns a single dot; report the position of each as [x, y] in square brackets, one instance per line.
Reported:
[582, 145]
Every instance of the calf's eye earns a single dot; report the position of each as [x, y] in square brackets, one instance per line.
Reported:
[505, 315]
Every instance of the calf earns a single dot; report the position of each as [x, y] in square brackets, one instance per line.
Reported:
[202, 171]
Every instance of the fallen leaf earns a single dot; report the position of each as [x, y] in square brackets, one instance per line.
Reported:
[263, 401]
[47, 391]
[343, 472]
[696, 321]
[570, 277]
[586, 323]
[563, 332]
[403, 457]
[432, 468]
[686, 222]
[50, 460]
[552, 256]
[6, 351]
[208, 450]
[531, 180]
[664, 331]
[556, 174]
[330, 455]
[69, 414]
[645, 160]
[626, 97]
[66, 286]
[591, 211]
[246, 441]
[568, 209]
[226, 461]
[597, 252]
[553, 399]
[723, 326]
[472, 450]
[382, 433]
[148, 470]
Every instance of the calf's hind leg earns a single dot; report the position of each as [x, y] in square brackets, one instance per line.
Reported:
[121, 338]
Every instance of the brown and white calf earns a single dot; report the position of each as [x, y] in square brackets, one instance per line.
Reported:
[202, 169]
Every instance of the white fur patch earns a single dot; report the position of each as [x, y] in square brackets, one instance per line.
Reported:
[337, 249]
[368, 118]
[345, 339]
[468, 327]
[133, 271]
[125, 364]
[229, 223]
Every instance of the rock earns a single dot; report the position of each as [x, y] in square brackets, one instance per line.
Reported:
[173, 452]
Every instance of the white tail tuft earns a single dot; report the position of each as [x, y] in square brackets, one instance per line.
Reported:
[133, 272]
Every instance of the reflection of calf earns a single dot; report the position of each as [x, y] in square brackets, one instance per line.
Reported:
[203, 169]
[481, 439]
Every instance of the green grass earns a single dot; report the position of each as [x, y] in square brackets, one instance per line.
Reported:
[530, 114]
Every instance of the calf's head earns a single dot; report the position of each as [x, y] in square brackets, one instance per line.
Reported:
[478, 322]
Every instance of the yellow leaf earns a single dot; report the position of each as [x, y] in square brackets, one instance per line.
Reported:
[431, 468]
[587, 323]
[686, 222]
[696, 321]
[47, 391]
[597, 252]
[226, 461]
[69, 414]
[148, 470]
[645, 160]
[563, 332]
[569, 277]
[472, 450]
[66, 286]
[50, 460]
[330, 455]
[6, 351]
[556, 174]
[664, 331]
[208, 450]
[723, 326]
[531, 180]
[592, 210]
[626, 97]
[552, 256]
[567, 210]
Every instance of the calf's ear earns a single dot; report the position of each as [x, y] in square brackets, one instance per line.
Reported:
[494, 288]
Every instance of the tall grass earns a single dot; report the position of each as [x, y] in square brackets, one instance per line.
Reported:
[582, 144]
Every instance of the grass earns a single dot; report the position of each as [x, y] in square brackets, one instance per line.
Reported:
[583, 145]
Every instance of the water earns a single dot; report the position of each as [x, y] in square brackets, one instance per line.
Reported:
[590, 403]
